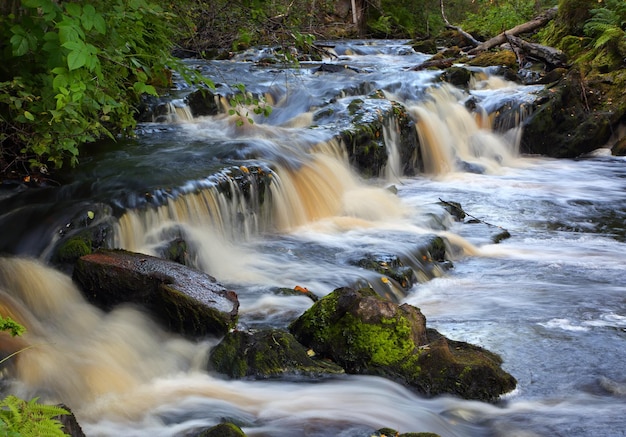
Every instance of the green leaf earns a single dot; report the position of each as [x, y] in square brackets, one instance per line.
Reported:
[19, 44]
[99, 24]
[69, 30]
[81, 54]
[33, 3]
[87, 18]
[29, 116]
[73, 9]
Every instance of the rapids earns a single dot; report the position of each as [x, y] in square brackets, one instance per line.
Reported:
[550, 300]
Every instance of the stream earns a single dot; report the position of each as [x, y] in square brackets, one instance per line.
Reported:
[550, 300]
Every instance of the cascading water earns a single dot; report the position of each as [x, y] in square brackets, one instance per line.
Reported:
[276, 204]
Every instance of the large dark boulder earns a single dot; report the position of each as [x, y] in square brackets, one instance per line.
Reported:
[266, 354]
[564, 123]
[367, 334]
[185, 300]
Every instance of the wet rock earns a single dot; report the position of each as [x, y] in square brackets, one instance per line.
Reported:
[296, 291]
[457, 76]
[175, 250]
[562, 124]
[185, 300]
[364, 136]
[367, 334]
[503, 235]
[389, 432]
[428, 46]
[70, 425]
[454, 209]
[226, 429]
[334, 68]
[266, 354]
[88, 230]
[388, 265]
[619, 149]
[202, 102]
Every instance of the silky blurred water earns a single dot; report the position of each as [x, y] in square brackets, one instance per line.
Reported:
[551, 299]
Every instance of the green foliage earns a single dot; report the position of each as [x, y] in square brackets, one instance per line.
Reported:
[404, 18]
[242, 100]
[606, 24]
[20, 418]
[71, 73]
[11, 326]
[492, 20]
[30, 418]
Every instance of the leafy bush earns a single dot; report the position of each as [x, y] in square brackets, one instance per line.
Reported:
[492, 20]
[72, 72]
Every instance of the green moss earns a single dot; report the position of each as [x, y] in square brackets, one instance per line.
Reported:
[380, 342]
[495, 58]
[73, 249]
[226, 429]
[266, 354]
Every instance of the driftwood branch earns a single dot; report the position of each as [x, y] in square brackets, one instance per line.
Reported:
[527, 27]
[549, 55]
[467, 36]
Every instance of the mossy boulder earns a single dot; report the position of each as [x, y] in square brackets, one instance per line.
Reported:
[266, 354]
[428, 46]
[226, 429]
[367, 334]
[457, 76]
[496, 58]
[88, 230]
[565, 122]
[364, 136]
[184, 300]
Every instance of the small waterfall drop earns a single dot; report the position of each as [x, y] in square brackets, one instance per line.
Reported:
[454, 139]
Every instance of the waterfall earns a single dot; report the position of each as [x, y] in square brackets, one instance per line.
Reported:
[454, 138]
[391, 135]
[72, 352]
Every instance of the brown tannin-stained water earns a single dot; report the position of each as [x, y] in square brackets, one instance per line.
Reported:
[551, 299]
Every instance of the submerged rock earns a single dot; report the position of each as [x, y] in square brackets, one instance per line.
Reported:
[390, 432]
[266, 354]
[367, 334]
[185, 300]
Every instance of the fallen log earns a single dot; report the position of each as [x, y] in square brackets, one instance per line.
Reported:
[549, 55]
[527, 27]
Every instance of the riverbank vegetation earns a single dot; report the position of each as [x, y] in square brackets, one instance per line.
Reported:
[74, 72]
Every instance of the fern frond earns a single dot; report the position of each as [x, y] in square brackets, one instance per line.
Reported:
[610, 36]
[30, 419]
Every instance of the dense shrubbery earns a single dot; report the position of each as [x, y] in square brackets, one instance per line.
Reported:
[72, 72]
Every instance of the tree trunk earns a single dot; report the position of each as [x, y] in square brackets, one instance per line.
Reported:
[529, 26]
[550, 55]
